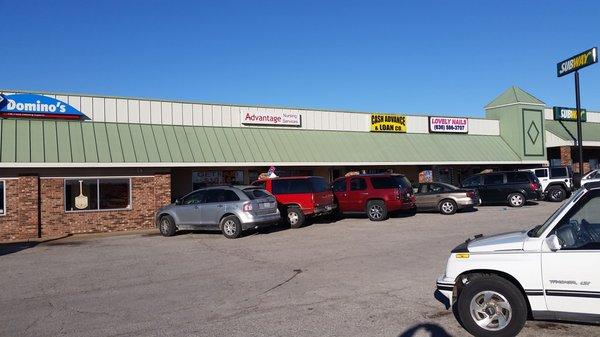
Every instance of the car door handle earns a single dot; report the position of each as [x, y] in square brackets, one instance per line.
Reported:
[364, 193]
[219, 206]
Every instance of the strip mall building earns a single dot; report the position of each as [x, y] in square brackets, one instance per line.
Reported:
[83, 163]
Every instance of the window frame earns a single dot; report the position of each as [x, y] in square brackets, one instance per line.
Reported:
[366, 187]
[3, 197]
[570, 213]
[129, 208]
[342, 182]
[504, 180]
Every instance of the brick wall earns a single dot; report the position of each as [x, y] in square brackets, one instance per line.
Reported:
[565, 155]
[21, 219]
[21, 214]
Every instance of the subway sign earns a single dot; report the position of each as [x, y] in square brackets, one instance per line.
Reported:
[388, 123]
[36, 106]
[577, 62]
[568, 114]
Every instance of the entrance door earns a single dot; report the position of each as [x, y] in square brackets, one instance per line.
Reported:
[570, 275]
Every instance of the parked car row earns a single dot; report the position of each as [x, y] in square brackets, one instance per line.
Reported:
[233, 209]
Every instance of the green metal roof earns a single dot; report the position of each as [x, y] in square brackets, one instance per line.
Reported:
[568, 130]
[41, 143]
[514, 95]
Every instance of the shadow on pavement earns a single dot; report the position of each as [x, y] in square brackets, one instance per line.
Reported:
[425, 329]
[9, 248]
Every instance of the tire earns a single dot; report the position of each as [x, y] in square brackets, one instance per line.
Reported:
[492, 297]
[447, 207]
[166, 225]
[516, 200]
[231, 227]
[294, 217]
[556, 193]
[376, 210]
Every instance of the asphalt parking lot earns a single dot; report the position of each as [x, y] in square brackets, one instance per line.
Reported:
[349, 278]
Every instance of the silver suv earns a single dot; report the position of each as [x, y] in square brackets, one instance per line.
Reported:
[227, 208]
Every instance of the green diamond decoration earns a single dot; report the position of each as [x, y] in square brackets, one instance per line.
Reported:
[533, 132]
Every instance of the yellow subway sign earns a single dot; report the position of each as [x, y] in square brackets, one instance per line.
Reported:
[577, 62]
[388, 123]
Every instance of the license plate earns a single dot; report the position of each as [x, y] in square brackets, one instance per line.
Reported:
[266, 205]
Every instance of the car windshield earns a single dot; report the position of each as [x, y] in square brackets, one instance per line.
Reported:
[537, 231]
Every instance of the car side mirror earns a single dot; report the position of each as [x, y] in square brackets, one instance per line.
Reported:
[553, 243]
[177, 202]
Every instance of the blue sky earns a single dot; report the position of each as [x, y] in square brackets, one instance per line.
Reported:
[429, 57]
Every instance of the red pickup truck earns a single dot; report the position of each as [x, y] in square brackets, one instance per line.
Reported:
[374, 194]
[300, 197]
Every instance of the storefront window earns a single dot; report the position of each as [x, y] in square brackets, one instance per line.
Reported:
[97, 194]
[214, 178]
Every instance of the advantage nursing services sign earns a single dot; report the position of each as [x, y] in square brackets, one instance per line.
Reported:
[577, 62]
[388, 123]
[272, 118]
[449, 124]
[568, 114]
[36, 106]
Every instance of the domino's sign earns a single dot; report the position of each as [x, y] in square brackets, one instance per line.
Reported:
[36, 106]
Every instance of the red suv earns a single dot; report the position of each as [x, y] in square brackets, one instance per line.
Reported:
[375, 194]
[299, 197]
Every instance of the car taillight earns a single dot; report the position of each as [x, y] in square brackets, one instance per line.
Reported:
[534, 186]
[247, 207]
[471, 194]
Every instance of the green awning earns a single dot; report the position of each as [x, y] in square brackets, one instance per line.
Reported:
[50, 143]
[568, 130]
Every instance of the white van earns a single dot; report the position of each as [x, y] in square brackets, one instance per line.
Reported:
[548, 272]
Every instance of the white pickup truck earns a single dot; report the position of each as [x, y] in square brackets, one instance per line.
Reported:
[550, 272]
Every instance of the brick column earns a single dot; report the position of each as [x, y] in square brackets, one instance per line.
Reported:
[565, 156]
[27, 189]
[162, 189]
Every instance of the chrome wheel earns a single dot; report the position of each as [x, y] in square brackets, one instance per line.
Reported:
[490, 310]
[293, 217]
[229, 227]
[376, 212]
[516, 200]
[447, 207]
[164, 225]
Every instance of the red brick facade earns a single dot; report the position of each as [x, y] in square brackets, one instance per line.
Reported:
[565, 155]
[21, 219]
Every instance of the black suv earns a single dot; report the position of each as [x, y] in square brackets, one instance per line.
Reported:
[516, 187]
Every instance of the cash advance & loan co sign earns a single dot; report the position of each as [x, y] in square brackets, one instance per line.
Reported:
[388, 123]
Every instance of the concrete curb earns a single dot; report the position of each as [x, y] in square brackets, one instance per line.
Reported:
[80, 236]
